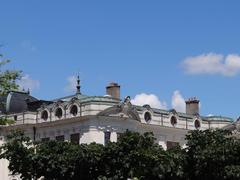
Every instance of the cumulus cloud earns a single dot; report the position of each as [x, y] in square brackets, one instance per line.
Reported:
[150, 99]
[26, 82]
[213, 63]
[178, 102]
[71, 85]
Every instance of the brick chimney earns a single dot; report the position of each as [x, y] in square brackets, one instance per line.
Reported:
[192, 106]
[113, 89]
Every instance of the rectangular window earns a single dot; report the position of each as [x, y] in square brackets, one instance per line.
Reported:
[171, 144]
[45, 139]
[60, 138]
[118, 135]
[74, 138]
[107, 137]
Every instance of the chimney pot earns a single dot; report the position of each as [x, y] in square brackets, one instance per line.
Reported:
[192, 106]
[113, 89]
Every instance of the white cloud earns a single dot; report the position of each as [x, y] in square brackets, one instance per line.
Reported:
[72, 83]
[150, 99]
[178, 102]
[26, 82]
[213, 63]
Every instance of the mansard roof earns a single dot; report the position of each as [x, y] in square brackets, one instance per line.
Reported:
[85, 98]
[188, 116]
[68, 98]
[218, 118]
[79, 98]
[19, 101]
[16, 102]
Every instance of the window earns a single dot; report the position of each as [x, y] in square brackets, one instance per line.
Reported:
[59, 113]
[74, 110]
[147, 116]
[60, 138]
[173, 120]
[74, 138]
[171, 144]
[45, 139]
[44, 115]
[119, 135]
[107, 137]
[197, 124]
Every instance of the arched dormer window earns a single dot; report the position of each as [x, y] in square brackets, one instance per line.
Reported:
[73, 110]
[147, 116]
[44, 115]
[173, 121]
[197, 124]
[59, 113]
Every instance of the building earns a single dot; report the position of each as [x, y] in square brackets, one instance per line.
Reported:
[85, 119]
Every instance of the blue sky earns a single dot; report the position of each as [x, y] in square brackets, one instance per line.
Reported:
[168, 50]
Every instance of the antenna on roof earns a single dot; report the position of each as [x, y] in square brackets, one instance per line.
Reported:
[78, 85]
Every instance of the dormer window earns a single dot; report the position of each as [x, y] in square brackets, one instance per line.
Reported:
[74, 110]
[147, 116]
[173, 121]
[59, 113]
[197, 124]
[44, 115]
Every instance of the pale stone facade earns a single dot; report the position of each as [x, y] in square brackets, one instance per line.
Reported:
[98, 119]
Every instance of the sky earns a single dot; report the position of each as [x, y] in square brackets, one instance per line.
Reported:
[160, 52]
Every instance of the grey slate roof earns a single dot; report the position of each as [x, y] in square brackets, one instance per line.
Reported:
[16, 102]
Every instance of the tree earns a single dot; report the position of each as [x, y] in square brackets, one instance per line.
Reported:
[175, 163]
[19, 151]
[7, 77]
[63, 160]
[7, 82]
[134, 156]
[52, 160]
[212, 154]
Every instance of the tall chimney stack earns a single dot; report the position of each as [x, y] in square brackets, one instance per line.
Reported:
[192, 106]
[113, 89]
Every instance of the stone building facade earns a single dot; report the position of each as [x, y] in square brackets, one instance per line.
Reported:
[85, 119]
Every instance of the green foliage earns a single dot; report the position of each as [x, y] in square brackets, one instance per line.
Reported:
[232, 172]
[212, 154]
[7, 77]
[5, 121]
[175, 163]
[209, 155]
[63, 160]
[7, 82]
[134, 155]
[20, 152]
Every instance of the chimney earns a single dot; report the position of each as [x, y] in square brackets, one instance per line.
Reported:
[113, 89]
[192, 106]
